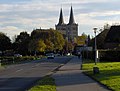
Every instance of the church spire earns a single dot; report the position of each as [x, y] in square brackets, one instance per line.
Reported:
[61, 20]
[71, 19]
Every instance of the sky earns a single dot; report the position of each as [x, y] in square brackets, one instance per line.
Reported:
[26, 15]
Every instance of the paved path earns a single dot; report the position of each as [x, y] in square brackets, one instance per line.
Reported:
[70, 78]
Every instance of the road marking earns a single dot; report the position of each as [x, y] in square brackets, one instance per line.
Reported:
[35, 65]
[19, 70]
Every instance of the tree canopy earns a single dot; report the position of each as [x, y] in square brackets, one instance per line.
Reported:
[5, 42]
[47, 40]
[81, 40]
[21, 43]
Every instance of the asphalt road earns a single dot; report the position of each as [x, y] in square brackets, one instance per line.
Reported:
[20, 77]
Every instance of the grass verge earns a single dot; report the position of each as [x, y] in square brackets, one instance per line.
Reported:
[45, 84]
[1, 67]
[109, 74]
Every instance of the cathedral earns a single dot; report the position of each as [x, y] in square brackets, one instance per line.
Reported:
[70, 30]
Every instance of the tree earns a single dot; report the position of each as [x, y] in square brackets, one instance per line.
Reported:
[21, 43]
[52, 38]
[49, 45]
[32, 46]
[58, 40]
[81, 40]
[36, 46]
[40, 46]
[88, 40]
[5, 42]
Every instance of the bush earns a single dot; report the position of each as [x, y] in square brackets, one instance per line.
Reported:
[104, 55]
[12, 60]
[88, 54]
[109, 55]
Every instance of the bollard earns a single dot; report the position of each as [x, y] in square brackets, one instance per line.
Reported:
[96, 70]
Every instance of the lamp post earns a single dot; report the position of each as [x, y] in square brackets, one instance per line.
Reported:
[95, 30]
[67, 39]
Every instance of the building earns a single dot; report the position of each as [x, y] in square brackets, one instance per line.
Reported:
[70, 30]
[112, 39]
[109, 38]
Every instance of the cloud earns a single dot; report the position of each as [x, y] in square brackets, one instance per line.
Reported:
[25, 15]
[11, 30]
[107, 13]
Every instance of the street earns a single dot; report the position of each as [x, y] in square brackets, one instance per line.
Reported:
[19, 77]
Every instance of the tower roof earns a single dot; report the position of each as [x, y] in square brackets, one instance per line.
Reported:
[71, 19]
[61, 20]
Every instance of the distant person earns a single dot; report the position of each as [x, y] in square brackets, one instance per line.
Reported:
[79, 55]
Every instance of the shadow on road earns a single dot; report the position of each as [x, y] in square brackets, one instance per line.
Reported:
[17, 83]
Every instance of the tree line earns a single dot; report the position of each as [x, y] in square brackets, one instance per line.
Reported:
[39, 42]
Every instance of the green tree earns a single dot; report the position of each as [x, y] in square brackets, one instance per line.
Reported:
[5, 42]
[21, 43]
[32, 46]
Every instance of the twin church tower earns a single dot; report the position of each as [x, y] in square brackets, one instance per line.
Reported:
[70, 30]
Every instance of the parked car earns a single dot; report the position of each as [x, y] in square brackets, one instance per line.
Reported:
[17, 55]
[68, 54]
[50, 56]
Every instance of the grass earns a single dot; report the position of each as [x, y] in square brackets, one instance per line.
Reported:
[1, 67]
[45, 84]
[109, 74]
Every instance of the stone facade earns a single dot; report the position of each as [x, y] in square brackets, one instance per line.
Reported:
[70, 30]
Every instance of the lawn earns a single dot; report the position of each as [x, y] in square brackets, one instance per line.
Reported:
[1, 67]
[47, 83]
[109, 73]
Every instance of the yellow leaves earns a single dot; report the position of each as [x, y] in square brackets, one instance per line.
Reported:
[41, 46]
[80, 40]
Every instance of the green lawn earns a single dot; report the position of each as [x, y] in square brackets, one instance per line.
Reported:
[45, 84]
[1, 67]
[109, 73]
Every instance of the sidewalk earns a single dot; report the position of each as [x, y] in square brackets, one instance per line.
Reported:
[70, 78]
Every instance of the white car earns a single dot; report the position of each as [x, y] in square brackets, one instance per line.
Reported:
[50, 56]
[17, 55]
[68, 54]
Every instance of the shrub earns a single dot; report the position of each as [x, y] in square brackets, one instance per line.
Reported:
[109, 55]
[12, 60]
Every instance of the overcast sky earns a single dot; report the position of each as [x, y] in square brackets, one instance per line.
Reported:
[26, 15]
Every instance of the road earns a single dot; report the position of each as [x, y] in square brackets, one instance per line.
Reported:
[20, 77]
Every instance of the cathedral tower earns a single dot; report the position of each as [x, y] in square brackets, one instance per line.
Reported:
[72, 27]
[61, 26]
[61, 20]
[71, 19]
[70, 30]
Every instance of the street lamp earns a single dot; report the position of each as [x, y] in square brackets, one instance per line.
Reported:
[95, 30]
[67, 39]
